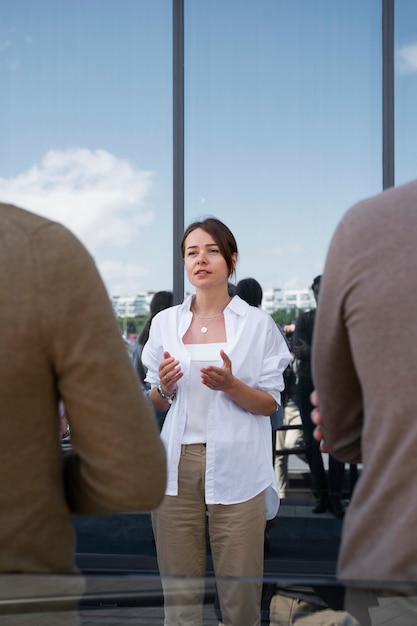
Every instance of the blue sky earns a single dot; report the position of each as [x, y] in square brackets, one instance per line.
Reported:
[282, 119]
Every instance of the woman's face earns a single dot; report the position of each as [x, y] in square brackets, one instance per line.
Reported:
[204, 263]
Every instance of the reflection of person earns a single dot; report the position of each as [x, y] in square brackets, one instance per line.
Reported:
[217, 364]
[160, 301]
[326, 490]
[364, 357]
[250, 290]
[60, 340]
[288, 439]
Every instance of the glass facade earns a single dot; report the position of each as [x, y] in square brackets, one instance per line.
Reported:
[86, 128]
[405, 91]
[282, 134]
[282, 125]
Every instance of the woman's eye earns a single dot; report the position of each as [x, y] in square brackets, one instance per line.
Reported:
[214, 250]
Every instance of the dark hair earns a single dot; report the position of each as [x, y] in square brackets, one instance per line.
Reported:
[161, 300]
[316, 281]
[222, 236]
[231, 289]
[250, 290]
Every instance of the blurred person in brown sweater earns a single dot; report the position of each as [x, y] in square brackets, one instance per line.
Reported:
[364, 359]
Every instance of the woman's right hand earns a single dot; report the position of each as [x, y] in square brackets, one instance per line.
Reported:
[169, 374]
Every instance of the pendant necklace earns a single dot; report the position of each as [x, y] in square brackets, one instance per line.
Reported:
[204, 328]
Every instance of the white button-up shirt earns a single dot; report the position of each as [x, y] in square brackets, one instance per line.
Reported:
[238, 454]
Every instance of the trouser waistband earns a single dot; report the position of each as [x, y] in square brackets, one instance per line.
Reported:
[195, 446]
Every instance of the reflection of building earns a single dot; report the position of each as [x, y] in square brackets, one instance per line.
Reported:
[276, 298]
[132, 306]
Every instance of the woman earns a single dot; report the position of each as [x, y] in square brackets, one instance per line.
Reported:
[216, 363]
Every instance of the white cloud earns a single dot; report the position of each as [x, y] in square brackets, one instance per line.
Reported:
[289, 249]
[407, 59]
[124, 278]
[99, 197]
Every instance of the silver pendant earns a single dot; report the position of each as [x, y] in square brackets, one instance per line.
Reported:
[204, 329]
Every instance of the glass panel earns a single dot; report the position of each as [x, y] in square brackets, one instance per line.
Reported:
[405, 91]
[86, 128]
[283, 125]
[283, 133]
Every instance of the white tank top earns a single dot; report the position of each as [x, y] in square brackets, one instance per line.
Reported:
[202, 355]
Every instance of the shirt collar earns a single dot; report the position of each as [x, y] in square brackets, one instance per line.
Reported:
[236, 305]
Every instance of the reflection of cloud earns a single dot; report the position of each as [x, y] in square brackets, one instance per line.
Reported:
[288, 249]
[98, 196]
[407, 59]
[125, 278]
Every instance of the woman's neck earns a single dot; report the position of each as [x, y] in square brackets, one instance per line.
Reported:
[205, 304]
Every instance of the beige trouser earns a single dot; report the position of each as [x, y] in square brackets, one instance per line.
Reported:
[288, 439]
[236, 539]
[286, 611]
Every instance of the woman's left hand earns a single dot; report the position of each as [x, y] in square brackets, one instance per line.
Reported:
[218, 378]
[252, 400]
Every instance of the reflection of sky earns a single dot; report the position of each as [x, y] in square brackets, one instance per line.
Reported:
[283, 124]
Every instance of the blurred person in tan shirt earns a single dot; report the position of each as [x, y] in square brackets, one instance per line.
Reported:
[60, 341]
